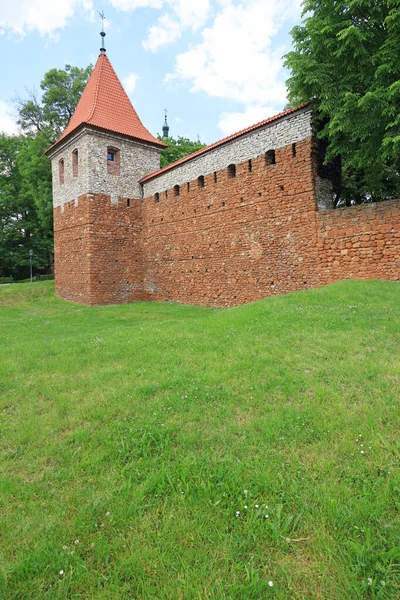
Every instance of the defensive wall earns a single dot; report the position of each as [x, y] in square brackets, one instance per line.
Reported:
[247, 218]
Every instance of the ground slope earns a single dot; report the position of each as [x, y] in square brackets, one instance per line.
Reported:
[165, 451]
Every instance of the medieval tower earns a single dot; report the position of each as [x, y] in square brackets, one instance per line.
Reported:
[246, 217]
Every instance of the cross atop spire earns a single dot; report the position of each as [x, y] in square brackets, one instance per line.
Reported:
[165, 126]
[102, 33]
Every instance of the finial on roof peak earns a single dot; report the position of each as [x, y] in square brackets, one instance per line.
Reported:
[165, 128]
[102, 33]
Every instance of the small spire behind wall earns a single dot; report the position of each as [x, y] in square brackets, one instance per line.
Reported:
[165, 128]
[102, 33]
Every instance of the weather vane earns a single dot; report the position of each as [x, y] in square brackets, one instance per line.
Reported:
[103, 18]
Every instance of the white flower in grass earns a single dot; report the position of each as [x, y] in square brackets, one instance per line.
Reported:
[62, 572]
[237, 513]
[256, 505]
[266, 517]
[245, 492]
[270, 583]
[65, 547]
[246, 506]
[76, 542]
[108, 513]
[383, 583]
[369, 580]
[362, 452]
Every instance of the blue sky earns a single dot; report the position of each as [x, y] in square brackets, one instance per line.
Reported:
[216, 65]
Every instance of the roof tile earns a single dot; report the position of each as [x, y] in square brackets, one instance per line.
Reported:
[105, 104]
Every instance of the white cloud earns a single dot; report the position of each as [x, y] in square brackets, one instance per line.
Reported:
[44, 16]
[235, 121]
[129, 5]
[165, 32]
[180, 15]
[129, 82]
[7, 123]
[236, 59]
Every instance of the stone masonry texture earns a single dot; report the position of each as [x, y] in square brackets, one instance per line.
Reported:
[267, 230]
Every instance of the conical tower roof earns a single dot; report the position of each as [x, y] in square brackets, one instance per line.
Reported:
[105, 105]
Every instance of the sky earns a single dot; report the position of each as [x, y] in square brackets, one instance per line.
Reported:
[215, 65]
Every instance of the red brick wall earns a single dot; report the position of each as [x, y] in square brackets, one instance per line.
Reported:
[235, 240]
[72, 230]
[98, 251]
[238, 239]
[360, 242]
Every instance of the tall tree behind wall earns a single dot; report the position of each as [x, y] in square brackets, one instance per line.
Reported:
[347, 56]
[26, 213]
[177, 148]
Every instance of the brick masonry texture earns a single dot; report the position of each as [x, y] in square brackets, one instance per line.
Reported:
[235, 240]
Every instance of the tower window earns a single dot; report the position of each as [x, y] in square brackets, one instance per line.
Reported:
[177, 190]
[294, 150]
[75, 163]
[200, 181]
[250, 166]
[113, 161]
[270, 158]
[232, 170]
[157, 197]
[61, 171]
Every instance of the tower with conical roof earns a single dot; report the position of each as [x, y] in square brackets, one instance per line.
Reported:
[97, 163]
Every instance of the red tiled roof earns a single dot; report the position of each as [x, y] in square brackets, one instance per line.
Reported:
[105, 104]
[224, 141]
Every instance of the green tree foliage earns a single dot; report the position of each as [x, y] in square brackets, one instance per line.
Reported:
[61, 89]
[26, 212]
[22, 225]
[177, 148]
[347, 56]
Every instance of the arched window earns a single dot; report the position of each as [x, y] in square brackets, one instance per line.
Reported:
[75, 163]
[157, 197]
[177, 190]
[61, 171]
[270, 157]
[113, 161]
[232, 170]
[200, 181]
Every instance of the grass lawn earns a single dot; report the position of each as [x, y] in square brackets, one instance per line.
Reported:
[159, 451]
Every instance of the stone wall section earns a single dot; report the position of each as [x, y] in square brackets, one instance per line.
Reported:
[275, 135]
[73, 187]
[72, 232]
[98, 250]
[237, 239]
[136, 161]
[360, 242]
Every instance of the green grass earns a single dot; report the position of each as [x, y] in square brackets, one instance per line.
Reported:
[136, 430]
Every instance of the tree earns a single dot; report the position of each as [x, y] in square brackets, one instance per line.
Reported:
[177, 148]
[347, 57]
[49, 116]
[21, 226]
[26, 211]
